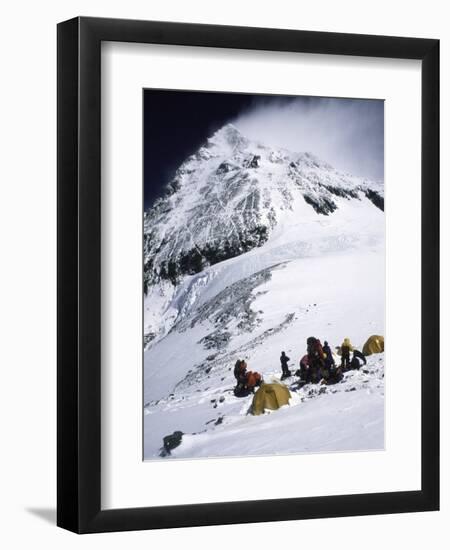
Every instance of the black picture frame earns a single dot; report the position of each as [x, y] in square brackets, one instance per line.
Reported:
[79, 280]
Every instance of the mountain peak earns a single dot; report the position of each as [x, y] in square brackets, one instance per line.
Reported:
[229, 135]
[229, 130]
[228, 198]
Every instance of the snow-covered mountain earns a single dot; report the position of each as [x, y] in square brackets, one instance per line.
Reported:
[250, 251]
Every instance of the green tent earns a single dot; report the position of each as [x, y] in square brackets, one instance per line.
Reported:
[270, 396]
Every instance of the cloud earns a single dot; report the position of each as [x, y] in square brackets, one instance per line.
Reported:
[347, 133]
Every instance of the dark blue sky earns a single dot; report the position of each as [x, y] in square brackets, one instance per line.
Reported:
[176, 123]
[347, 133]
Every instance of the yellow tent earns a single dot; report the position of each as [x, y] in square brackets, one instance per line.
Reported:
[270, 396]
[375, 344]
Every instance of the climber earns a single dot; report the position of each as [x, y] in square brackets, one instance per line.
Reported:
[253, 380]
[329, 359]
[345, 350]
[303, 371]
[240, 368]
[316, 358]
[247, 384]
[355, 363]
[284, 359]
[359, 355]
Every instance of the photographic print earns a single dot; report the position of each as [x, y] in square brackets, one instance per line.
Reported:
[263, 274]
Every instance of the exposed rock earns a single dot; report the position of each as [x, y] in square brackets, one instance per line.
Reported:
[171, 442]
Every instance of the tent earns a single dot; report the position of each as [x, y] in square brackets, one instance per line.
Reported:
[270, 396]
[375, 344]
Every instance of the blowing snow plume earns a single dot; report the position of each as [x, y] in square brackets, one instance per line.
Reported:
[347, 133]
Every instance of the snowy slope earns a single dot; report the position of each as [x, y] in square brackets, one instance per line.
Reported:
[347, 416]
[303, 255]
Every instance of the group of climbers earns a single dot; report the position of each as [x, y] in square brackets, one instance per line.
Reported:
[246, 381]
[317, 365]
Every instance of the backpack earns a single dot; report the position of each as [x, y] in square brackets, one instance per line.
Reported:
[315, 350]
